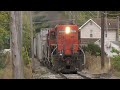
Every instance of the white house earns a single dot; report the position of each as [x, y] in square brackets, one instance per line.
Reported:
[90, 32]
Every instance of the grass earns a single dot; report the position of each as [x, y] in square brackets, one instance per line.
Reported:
[116, 73]
[93, 64]
[115, 67]
[28, 72]
[7, 72]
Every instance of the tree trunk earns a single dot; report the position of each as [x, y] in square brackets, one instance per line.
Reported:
[15, 48]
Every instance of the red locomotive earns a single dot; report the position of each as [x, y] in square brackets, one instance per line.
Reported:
[59, 48]
[63, 48]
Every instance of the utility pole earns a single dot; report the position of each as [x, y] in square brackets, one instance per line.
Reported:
[102, 39]
[117, 34]
[32, 47]
[106, 25]
[20, 29]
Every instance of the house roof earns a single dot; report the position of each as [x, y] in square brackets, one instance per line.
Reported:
[88, 22]
[116, 42]
[111, 23]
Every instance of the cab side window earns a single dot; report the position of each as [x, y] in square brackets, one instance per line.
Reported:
[52, 35]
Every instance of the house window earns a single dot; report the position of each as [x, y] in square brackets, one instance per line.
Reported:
[91, 31]
[52, 35]
[91, 35]
[106, 35]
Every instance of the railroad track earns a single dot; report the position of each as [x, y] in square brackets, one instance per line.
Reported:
[43, 73]
[74, 76]
[84, 76]
[63, 76]
[50, 74]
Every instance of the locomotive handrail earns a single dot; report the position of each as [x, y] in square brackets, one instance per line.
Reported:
[53, 50]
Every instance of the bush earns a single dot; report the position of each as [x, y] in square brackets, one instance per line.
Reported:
[2, 60]
[93, 49]
[116, 59]
[116, 63]
[25, 55]
[115, 51]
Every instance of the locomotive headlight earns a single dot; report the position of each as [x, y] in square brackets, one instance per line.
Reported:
[60, 54]
[67, 30]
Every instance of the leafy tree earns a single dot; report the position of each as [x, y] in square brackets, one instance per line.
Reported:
[4, 30]
[25, 55]
[113, 14]
[26, 30]
[80, 16]
[39, 21]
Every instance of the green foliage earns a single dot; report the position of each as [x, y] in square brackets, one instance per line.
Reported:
[2, 60]
[41, 21]
[26, 30]
[116, 63]
[112, 14]
[115, 51]
[80, 16]
[26, 37]
[93, 49]
[116, 59]
[25, 56]
[4, 29]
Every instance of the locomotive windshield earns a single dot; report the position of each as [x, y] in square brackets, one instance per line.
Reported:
[63, 31]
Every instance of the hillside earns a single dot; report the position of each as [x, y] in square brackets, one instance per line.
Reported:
[79, 16]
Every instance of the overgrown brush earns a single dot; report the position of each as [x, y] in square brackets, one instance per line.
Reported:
[93, 59]
[26, 58]
[3, 60]
[93, 49]
[116, 60]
